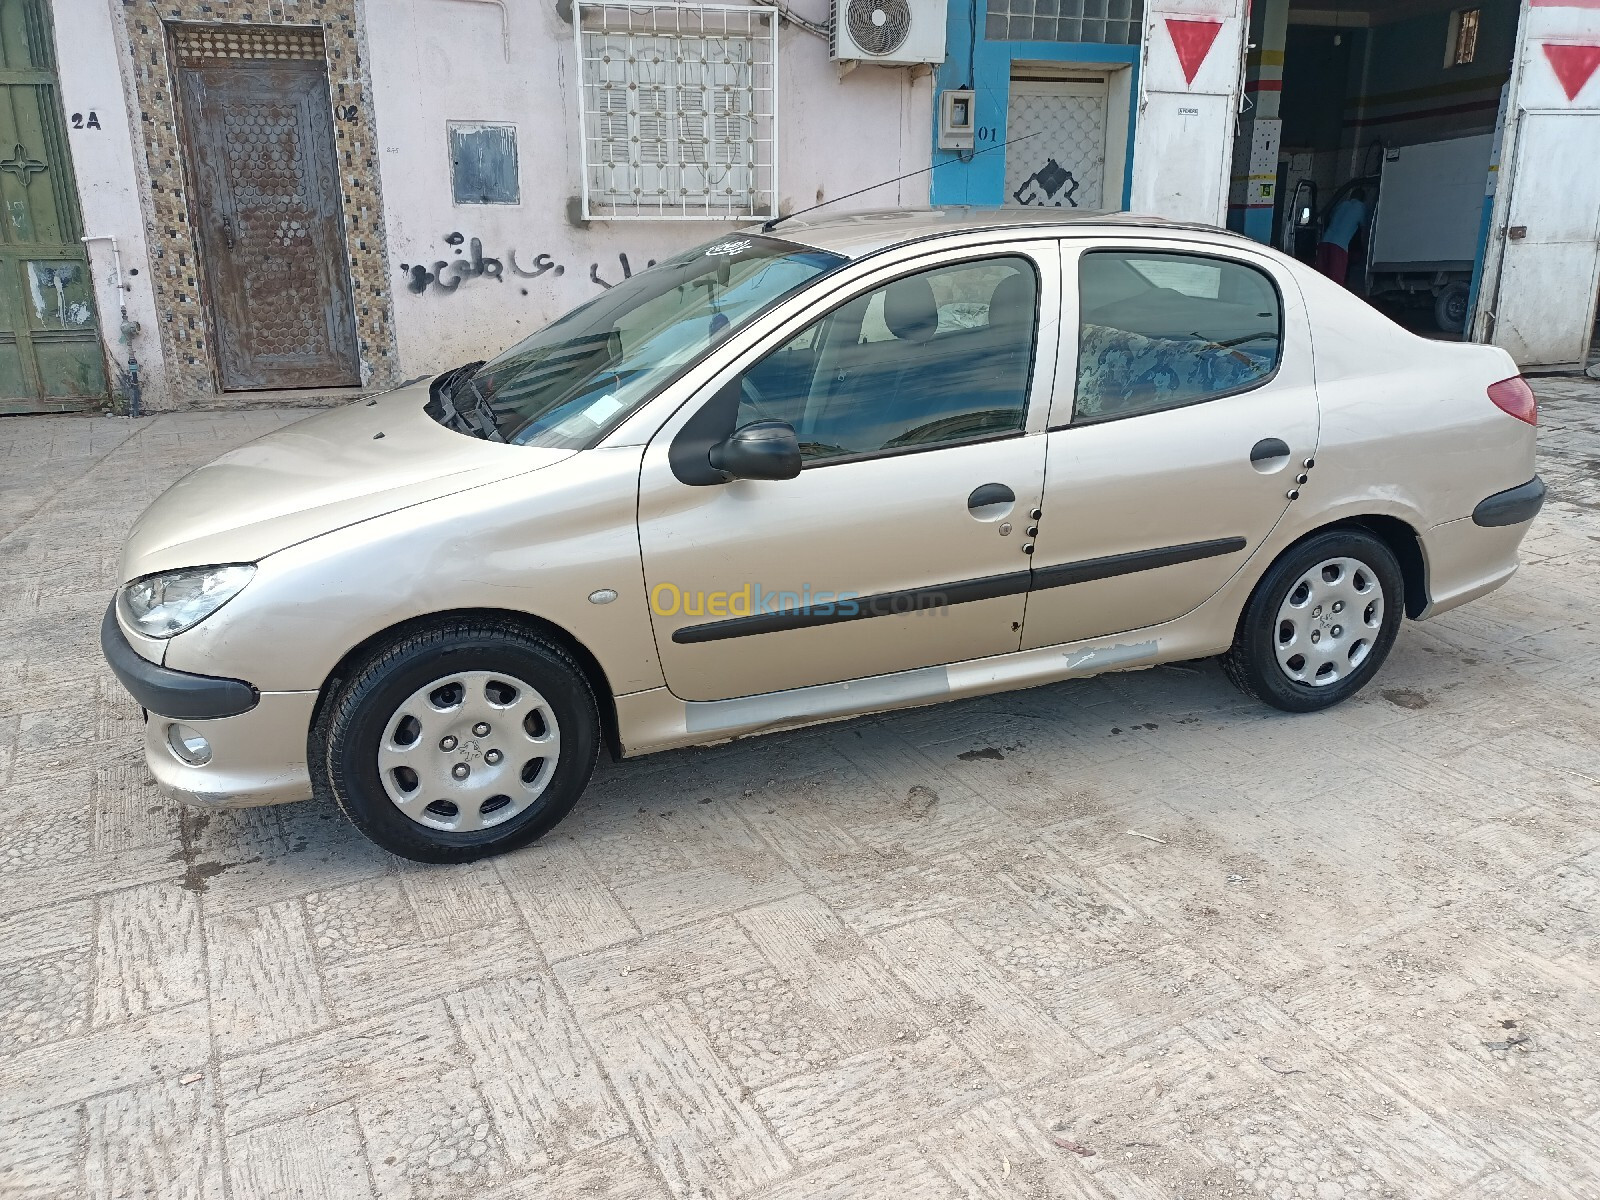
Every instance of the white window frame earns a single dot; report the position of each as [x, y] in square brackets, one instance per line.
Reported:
[739, 93]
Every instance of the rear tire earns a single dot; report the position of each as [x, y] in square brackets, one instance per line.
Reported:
[1319, 624]
[1450, 308]
[460, 740]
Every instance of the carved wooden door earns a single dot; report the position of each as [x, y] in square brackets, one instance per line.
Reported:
[50, 355]
[258, 132]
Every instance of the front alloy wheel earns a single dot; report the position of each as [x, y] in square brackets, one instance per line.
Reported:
[1320, 622]
[459, 740]
[469, 751]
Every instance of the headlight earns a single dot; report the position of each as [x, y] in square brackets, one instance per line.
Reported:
[162, 606]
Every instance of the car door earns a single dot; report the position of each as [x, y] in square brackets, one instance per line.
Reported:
[919, 401]
[1184, 414]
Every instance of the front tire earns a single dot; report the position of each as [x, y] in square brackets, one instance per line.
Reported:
[1319, 624]
[460, 740]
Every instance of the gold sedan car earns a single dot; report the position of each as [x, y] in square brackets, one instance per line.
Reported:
[804, 473]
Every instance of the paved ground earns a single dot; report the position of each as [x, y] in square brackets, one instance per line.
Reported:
[918, 956]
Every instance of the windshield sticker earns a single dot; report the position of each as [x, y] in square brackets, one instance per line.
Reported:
[737, 246]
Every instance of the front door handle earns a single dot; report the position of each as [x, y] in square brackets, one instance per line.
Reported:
[1269, 454]
[991, 501]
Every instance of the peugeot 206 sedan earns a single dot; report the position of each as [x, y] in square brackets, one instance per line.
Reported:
[836, 467]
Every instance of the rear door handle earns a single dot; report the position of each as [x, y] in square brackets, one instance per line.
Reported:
[988, 497]
[1266, 450]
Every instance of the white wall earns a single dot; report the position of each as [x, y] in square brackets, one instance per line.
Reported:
[92, 81]
[1183, 150]
[1537, 296]
[435, 61]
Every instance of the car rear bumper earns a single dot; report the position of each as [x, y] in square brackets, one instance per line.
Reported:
[1514, 506]
[1475, 555]
[256, 740]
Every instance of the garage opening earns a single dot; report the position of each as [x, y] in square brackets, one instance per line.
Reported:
[1384, 158]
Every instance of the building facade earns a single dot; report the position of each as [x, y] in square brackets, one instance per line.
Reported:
[224, 202]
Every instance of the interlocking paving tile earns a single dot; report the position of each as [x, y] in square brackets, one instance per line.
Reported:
[163, 1139]
[617, 1170]
[924, 955]
[537, 1074]
[850, 989]
[622, 977]
[423, 969]
[898, 1170]
[361, 918]
[46, 998]
[102, 1060]
[562, 899]
[337, 1065]
[448, 901]
[430, 1137]
[38, 1156]
[265, 986]
[149, 952]
[873, 1096]
[693, 1117]
[996, 1023]
[315, 1157]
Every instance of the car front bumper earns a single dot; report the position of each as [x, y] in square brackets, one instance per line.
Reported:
[257, 740]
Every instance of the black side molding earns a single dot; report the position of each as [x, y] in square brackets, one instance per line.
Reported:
[884, 604]
[1065, 574]
[1512, 506]
[1012, 583]
[169, 693]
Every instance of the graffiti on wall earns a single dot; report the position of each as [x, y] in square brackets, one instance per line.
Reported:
[468, 262]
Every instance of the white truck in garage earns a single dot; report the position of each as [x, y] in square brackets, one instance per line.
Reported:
[1426, 232]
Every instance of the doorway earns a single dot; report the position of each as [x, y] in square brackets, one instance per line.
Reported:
[257, 138]
[50, 354]
[1388, 140]
[1074, 131]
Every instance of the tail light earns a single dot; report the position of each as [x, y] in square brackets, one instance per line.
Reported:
[1516, 397]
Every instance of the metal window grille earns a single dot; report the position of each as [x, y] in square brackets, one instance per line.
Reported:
[198, 44]
[1112, 22]
[678, 111]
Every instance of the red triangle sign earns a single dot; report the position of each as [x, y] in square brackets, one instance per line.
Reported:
[1192, 40]
[1573, 65]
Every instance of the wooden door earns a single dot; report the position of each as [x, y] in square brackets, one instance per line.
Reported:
[50, 354]
[258, 135]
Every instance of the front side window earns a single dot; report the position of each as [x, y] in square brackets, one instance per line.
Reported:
[935, 358]
[1163, 330]
[578, 377]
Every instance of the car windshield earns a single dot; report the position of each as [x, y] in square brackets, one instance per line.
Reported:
[577, 378]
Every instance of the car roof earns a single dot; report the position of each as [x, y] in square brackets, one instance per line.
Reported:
[859, 233]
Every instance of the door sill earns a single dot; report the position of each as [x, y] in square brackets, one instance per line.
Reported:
[29, 406]
[276, 398]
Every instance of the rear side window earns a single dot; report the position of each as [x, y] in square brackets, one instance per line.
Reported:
[1163, 331]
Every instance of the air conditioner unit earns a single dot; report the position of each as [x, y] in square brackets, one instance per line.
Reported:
[888, 33]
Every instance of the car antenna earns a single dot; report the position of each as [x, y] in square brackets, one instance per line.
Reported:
[773, 223]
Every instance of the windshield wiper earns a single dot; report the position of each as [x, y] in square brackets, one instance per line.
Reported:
[480, 413]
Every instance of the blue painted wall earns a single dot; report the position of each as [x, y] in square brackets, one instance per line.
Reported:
[978, 178]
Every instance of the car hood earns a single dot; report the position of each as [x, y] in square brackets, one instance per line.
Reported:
[314, 476]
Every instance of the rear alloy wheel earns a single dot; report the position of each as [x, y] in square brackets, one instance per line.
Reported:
[462, 740]
[1320, 623]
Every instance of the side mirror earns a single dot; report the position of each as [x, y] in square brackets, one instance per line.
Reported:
[759, 450]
